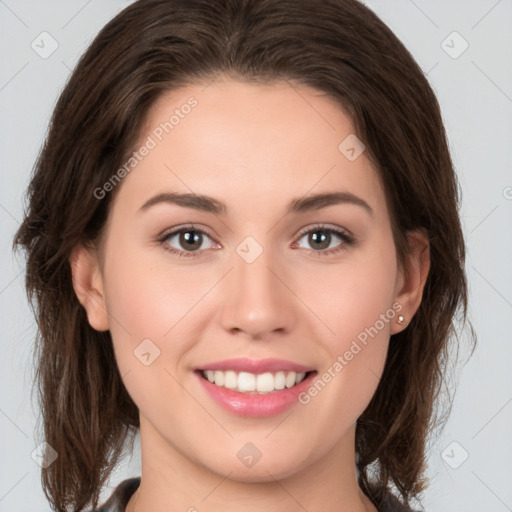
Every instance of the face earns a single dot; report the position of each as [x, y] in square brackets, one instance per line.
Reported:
[241, 288]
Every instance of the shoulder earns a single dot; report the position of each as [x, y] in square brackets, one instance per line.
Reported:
[120, 496]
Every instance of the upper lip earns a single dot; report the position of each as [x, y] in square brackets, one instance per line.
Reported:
[256, 366]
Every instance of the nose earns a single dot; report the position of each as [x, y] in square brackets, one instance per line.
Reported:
[259, 300]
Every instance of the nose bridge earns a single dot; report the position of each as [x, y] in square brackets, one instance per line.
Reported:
[253, 274]
[258, 300]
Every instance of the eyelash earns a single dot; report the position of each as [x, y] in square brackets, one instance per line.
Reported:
[345, 237]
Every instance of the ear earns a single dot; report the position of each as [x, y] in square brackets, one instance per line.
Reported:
[409, 286]
[88, 286]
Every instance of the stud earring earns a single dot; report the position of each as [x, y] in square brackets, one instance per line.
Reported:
[400, 319]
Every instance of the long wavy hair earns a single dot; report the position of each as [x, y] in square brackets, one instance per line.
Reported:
[339, 47]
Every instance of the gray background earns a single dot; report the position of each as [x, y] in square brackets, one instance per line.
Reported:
[475, 93]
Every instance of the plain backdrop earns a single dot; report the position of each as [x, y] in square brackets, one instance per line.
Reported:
[465, 48]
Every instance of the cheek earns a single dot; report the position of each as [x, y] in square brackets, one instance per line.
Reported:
[355, 302]
[352, 297]
[147, 297]
[150, 313]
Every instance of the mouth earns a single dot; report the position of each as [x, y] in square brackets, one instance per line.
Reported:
[255, 384]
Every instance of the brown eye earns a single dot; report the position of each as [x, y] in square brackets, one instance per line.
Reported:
[190, 240]
[320, 238]
[319, 241]
[185, 241]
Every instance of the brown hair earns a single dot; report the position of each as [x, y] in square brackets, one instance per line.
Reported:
[339, 47]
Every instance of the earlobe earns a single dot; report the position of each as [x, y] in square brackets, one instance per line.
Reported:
[413, 281]
[88, 286]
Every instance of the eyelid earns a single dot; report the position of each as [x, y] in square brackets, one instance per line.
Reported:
[324, 226]
[176, 229]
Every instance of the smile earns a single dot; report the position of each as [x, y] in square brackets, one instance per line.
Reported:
[245, 382]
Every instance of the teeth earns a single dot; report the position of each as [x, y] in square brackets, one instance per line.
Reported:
[231, 380]
[279, 380]
[290, 379]
[246, 382]
[219, 378]
[265, 383]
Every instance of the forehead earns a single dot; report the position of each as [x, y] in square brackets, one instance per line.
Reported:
[244, 142]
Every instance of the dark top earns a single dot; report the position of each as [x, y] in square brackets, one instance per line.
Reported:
[124, 491]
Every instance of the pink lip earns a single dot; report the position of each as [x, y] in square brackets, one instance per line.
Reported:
[255, 405]
[256, 366]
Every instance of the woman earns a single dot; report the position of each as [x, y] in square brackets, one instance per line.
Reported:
[243, 241]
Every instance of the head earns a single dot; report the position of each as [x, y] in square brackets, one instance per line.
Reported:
[265, 97]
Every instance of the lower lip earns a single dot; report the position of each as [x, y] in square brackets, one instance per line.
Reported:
[255, 405]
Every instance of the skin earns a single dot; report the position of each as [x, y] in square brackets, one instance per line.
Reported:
[253, 147]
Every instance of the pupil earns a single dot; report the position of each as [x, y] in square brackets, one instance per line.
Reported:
[322, 240]
[190, 240]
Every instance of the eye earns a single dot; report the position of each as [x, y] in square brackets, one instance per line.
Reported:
[320, 238]
[189, 238]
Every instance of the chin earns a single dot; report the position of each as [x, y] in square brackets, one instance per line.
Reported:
[266, 469]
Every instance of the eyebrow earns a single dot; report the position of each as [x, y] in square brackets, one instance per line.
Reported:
[299, 205]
